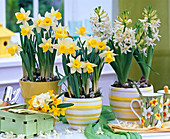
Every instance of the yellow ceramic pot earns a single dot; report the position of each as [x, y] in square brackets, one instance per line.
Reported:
[84, 111]
[120, 99]
[29, 89]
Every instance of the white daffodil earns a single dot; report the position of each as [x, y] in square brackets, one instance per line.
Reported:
[81, 32]
[99, 131]
[75, 64]
[47, 22]
[46, 45]
[88, 67]
[55, 15]
[166, 114]
[159, 123]
[62, 46]
[22, 16]
[14, 48]
[147, 112]
[73, 47]
[26, 30]
[37, 23]
[108, 55]
[60, 32]
[167, 103]
[68, 131]
[38, 101]
[91, 43]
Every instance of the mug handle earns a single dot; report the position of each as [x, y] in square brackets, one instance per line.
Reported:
[131, 103]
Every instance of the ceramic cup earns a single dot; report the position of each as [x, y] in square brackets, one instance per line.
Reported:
[151, 109]
[166, 105]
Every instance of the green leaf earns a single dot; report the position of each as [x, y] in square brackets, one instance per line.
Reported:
[60, 95]
[65, 105]
[62, 80]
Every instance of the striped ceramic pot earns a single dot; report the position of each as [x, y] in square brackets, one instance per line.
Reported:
[83, 112]
[120, 99]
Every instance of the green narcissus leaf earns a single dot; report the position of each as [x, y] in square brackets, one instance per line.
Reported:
[60, 94]
[62, 80]
[65, 105]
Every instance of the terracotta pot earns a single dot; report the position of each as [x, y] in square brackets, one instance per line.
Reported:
[120, 99]
[84, 111]
[29, 89]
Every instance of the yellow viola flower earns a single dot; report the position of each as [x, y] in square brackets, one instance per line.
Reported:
[47, 22]
[81, 32]
[108, 55]
[154, 102]
[72, 48]
[60, 32]
[62, 46]
[142, 121]
[14, 48]
[75, 64]
[22, 16]
[46, 45]
[26, 30]
[157, 116]
[37, 23]
[88, 67]
[91, 42]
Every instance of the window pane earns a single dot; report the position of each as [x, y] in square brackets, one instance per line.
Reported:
[45, 5]
[13, 6]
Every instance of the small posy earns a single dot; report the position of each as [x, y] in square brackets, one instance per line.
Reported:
[99, 131]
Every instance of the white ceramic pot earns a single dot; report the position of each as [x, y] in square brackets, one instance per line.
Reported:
[83, 112]
[120, 99]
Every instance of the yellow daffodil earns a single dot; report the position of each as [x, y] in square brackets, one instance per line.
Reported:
[81, 32]
[13, 48]
[56, 101]
[101, 45]
[51, 92]
[46, 45]
[108, 55]
[31, 108]
[75, 64]
[47, 22]
[157, 116]
[88, 67]
[72, 48]
[26, 30]
[22, 16]
[45, 107]
[91, 42]
[154, 102]
[60, 32]
[37, 23]
[61, 111]
[142, 121]
[55, 15]
[62, 46]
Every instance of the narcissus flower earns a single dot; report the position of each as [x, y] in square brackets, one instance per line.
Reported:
[22, 16]
[14, 48]
[88, 67]
[26, 30]
[147, 112]
[37, 23]
[75, 64]
[46, 45]
[60, 32]
[142, 121]
[157, 116]
[72, 48]
[62, 46]
[91, 42]
[108, 55]
[47, 22]
[154, 102]
[81, 32]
